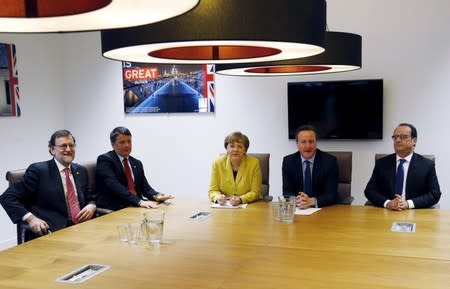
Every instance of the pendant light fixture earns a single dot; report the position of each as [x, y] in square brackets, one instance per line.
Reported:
[35, 16]
[342, 53]
[225, 31]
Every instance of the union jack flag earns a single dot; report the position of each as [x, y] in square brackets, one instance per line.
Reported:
[209, 87]
[11, 82]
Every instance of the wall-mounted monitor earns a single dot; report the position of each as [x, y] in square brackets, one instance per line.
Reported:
[345, 109]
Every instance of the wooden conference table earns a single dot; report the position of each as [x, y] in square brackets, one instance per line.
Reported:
[337, 247]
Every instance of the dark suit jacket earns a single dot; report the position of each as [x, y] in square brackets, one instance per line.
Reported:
[422, 186]
[324, 177]
[111, 182]
[41, 192]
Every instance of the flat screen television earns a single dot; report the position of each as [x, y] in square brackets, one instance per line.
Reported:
[344, 109]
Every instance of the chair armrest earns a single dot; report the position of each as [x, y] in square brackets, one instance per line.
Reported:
[22, 228]
[103, 211]
[348, 200]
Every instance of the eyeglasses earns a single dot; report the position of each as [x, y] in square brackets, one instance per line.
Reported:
[65, 146]
[400, 137]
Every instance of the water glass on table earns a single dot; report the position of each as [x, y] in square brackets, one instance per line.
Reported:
[286, 209]
[134, 232]
[154, 226]
[122, 230]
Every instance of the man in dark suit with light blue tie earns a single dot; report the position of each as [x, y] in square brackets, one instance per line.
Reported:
[52, 194]
[310, 174]
[405, 179]
[117, 188]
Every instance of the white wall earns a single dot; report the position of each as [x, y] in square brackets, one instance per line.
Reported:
[66, 83]
[24, 139]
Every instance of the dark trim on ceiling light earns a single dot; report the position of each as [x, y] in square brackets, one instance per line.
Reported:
[223, 31]
[342, 53]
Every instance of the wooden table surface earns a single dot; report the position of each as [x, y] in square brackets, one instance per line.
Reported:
[337, 247]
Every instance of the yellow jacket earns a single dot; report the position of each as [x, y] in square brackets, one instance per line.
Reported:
[247, 184]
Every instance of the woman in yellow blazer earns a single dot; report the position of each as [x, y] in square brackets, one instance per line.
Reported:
[235, 176]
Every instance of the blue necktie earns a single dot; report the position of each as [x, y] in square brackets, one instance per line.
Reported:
[399, 178]
[307, 186]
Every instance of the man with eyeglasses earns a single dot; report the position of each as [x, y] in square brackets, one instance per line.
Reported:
[52, 194]
[403, 180]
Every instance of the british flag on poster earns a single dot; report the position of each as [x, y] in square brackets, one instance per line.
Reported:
[9, 81]
[211, 92]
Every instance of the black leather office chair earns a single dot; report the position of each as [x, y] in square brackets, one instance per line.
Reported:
[344, 160]
[264, 163]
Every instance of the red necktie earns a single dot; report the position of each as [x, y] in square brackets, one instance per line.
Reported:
[72, 200]
[129, 177]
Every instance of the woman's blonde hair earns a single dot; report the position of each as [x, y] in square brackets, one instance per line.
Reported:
[237, 136]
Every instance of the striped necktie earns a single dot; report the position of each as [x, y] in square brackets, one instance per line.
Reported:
[72, 200]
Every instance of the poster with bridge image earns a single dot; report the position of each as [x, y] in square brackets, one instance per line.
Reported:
[168, 88]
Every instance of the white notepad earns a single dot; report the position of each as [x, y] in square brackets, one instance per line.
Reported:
[229, 206]
[306, 212]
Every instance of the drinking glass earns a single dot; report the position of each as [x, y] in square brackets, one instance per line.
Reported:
[154, 225]
[133, 232]
[122, 230]
[286, 210]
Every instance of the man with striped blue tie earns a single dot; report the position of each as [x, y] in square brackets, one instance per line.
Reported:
[403, 180]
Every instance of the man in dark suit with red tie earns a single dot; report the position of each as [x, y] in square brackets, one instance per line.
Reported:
[310, 174]
[53, 194]
[405, 179]
[120, 178]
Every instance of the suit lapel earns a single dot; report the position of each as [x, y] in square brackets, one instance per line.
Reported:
[411, 172]
[229, 171]
[57, 182]
[242, 168]
[299, 170]
[119, 167]
[316, 171]
[392, 176]
[76, 177]
[134, 169]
